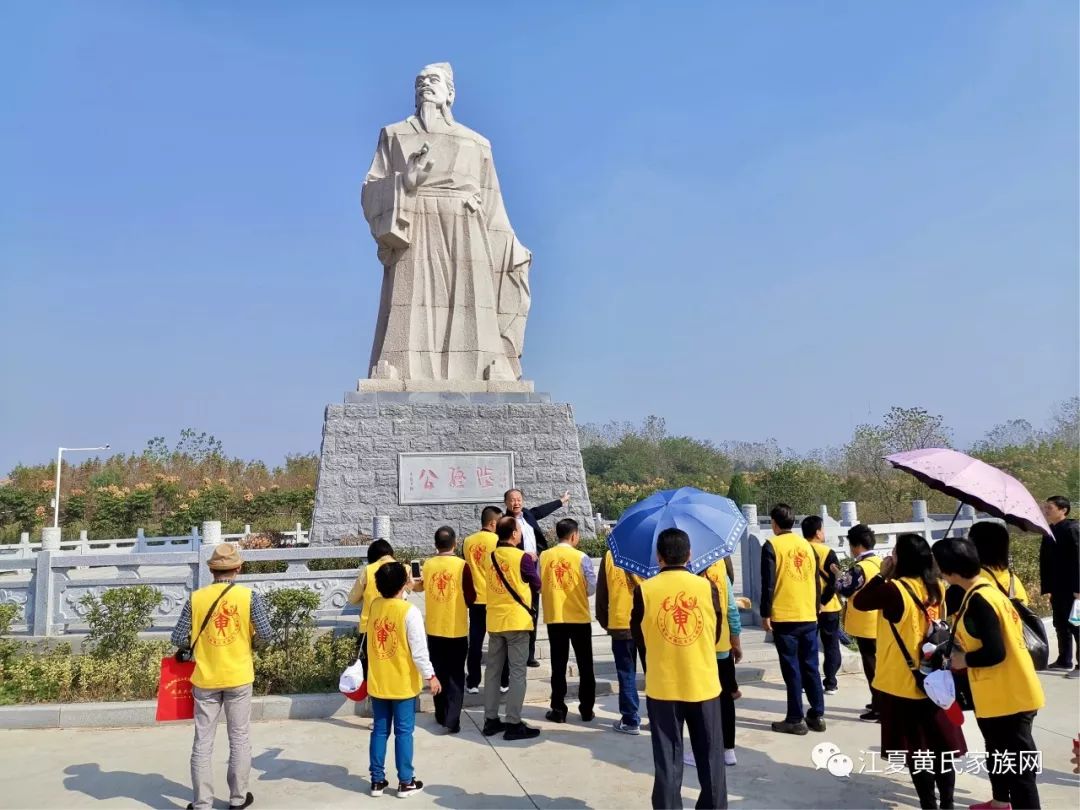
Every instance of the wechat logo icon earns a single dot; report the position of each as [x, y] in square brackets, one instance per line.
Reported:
[827, 755]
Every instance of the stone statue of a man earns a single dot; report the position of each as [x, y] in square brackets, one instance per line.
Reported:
[455, 291]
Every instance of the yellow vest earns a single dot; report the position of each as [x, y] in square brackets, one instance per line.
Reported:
[863, 623]
[223, 654]
[679, 626]
[504, 614]
[795, 594]
[1001, 577]
[371, 593]
[1011, 686]
[717, 575]
[392, 673]
[822, 551]
[620, 593]
[563, 590]
[893, 675]
[446, 614]
[476, 549]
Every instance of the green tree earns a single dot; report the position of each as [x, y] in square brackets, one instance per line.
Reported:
[117, 618]
[739, 490]
[872, 480]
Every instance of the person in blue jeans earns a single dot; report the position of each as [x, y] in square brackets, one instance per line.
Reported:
[790, 598]
[398, 665]
[614, 601]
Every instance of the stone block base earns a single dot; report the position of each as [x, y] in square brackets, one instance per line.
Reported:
[358, 465]
[371, 386]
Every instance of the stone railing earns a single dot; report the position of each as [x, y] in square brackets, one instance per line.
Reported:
[24, 549]
[930, 526]
[49, 588]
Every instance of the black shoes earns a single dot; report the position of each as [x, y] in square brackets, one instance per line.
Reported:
[250, 798]
[454, 729]
[493, 727]
[784, 727]
[406, 789]
[521, 732]
[815, 723]
[1059, 664]
[532, 662]
[559, 716]
[377, 788]
[871, 717]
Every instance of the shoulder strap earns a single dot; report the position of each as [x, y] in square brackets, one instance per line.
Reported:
[960, 613]
[914, 598]
[209, 613]
[510, 589]
[994, 579]
[1012, 585]
[896, 633]
[903, 649]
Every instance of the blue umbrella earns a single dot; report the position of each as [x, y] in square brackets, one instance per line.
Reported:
[713, 522]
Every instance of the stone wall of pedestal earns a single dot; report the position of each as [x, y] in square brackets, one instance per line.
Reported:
[358, 466]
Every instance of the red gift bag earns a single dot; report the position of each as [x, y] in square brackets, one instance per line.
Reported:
[174, 698]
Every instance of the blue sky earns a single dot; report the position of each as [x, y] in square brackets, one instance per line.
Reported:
[756, 220]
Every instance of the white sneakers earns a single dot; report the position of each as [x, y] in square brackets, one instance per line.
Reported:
[473, 690]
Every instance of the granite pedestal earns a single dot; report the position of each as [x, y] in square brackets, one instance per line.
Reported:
[358, 465]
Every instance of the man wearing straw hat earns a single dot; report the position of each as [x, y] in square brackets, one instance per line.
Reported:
[218, 626]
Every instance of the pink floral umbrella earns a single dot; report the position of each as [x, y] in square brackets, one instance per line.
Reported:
[975, 483]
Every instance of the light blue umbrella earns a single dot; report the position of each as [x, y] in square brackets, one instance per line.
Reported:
[713, 522]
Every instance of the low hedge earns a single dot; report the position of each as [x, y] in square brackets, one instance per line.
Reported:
[119, 666]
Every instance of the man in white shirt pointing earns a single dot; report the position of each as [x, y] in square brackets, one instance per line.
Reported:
[532, 539]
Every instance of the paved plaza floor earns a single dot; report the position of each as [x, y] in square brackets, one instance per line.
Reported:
[323, 763]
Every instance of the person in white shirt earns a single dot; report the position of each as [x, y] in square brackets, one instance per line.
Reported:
[398, 667]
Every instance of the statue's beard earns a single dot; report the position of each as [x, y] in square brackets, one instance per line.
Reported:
[431, 114]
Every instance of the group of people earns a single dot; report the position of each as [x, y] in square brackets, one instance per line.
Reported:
[895, 607]
[683, 628]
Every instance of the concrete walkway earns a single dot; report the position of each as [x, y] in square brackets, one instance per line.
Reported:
[323, 763]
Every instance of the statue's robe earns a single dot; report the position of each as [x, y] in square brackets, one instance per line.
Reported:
[455, 291]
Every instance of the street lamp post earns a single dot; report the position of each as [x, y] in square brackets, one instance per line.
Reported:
[59, 456]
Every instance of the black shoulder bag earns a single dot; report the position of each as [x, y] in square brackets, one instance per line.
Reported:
[510, 589]
[1038, 646]
[184, 654]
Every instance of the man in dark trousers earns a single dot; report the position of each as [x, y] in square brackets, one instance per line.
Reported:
[789, 608]
[446, 580]
[675, 622]
[1059, 576]
[861, 625]
[476, 549]
[567, 580]
[813, 529]
[532, 540]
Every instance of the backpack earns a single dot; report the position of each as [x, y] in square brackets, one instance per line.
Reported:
[1035, 640]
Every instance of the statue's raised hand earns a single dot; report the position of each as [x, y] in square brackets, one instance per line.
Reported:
[418, 169]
